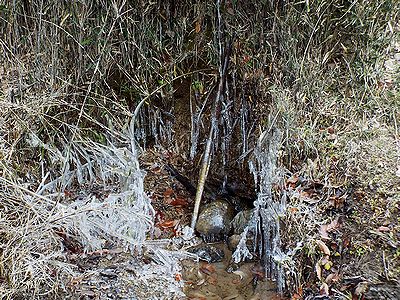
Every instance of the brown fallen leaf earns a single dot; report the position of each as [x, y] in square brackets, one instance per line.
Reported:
[346, 242]
[207, 269]
[383, 229]
[361, 288]
[212, 280]
[335, 224]
[323, 247]
[332, 278]
[324, 289]
[323, 232]
[179, 202]
[298, 295]
[292, 181]
[332, 226]
[198, 26]
[168, 192]
[337, 201]
[168, 224]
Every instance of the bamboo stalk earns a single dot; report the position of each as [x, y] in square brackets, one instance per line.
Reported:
[207, 157]
[202, 178]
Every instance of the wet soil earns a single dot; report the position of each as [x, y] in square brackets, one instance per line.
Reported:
[212, 281]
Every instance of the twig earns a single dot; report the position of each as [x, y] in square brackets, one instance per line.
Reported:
[224, 62]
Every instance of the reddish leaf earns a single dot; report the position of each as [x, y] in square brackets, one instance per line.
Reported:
[324, 289]
[346, 243]
[178, 277]
[179, 202]
[168, 192]
[67, 194]
[168, 224]
[207, 269]
[337, 202]
[159, 215]
[292, 181]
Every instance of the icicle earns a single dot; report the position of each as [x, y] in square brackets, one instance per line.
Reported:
[267, 210]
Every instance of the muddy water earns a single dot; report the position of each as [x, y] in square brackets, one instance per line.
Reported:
[213, 282]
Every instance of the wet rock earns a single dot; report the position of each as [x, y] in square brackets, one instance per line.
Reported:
[233, 241]
[208, 253]
[239, 223]
[214, 222]
[241, 220]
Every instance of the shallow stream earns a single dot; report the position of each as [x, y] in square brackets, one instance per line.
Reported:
[213, 282]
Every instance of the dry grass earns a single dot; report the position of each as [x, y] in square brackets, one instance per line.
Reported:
[324, 72]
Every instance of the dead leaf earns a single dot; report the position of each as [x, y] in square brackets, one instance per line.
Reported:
[337, 202]
[298, 295]
[332, 226]
[168, 224]
[207, 269]
[332, 278]
[178, 277]
[324, 289]
[239, 273]
[361, 288]
[201, 282]
[198, 26]
[383, 229]
[335, 224]
[168, 192]
[318, 269]
[179, 202]
[323, 231]
[292, 181]
[212, 280]
[323, 247]
[346, 242]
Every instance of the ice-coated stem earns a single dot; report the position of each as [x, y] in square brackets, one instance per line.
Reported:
[202, 178]
[224, 62]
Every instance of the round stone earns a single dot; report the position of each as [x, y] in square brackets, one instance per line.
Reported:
[214, 222]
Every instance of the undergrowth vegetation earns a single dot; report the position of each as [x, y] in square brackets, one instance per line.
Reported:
[326, 73]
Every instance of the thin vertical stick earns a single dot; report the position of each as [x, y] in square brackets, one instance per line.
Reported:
[224, 61]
